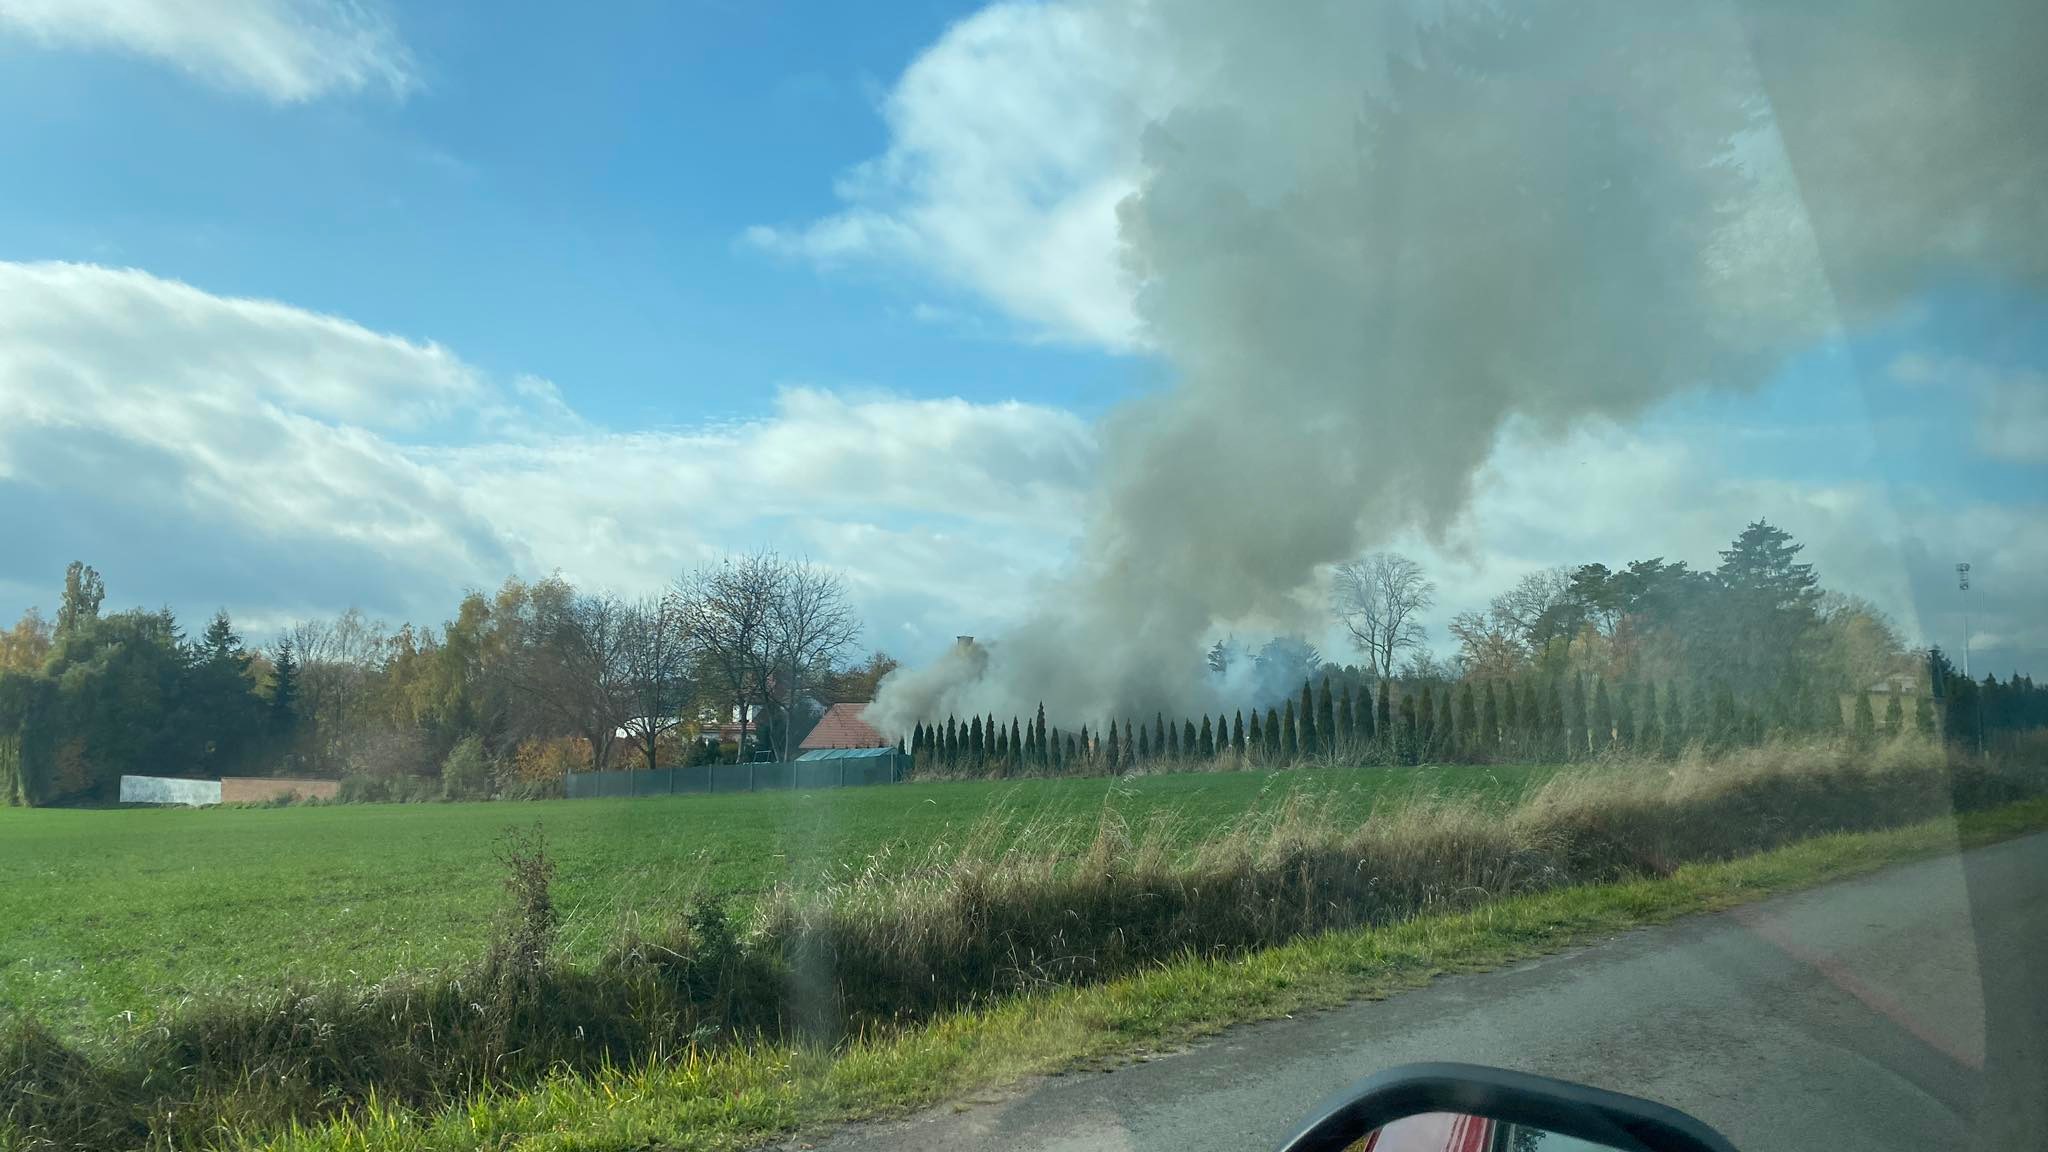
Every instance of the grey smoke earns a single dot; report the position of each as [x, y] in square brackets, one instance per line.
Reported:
[1382, 230]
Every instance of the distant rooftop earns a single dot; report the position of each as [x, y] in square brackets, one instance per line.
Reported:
[842, 727]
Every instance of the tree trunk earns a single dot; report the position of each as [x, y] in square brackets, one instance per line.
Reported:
[739, 755]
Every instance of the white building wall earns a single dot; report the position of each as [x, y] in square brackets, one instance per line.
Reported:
[163, 790]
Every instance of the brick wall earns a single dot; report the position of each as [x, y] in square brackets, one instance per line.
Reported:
[254, 789]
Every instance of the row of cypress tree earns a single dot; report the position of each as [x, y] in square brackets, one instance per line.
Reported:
[1530, 718]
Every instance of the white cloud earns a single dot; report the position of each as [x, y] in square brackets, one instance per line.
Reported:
[1612, 494]
[284, 50]
[1012, 141]
[206, 450]
[202, 449]
[2011, 403]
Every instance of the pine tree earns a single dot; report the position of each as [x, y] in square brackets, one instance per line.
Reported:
[1625, 716]
[1469, 735]
[1290, 735]
[1446, 724]
[1575, 721]
[1511, 719]
[1208, 739]
[1425, 720]
[1782, 720]
[1827, 711]
[1305, 721]
[1489, 720]
[1273, 741]
[1326, 720]
[917, 738]
[1043, 757]
[1255, 736]
[1347, 720]
[1533, 730]
[1173, 741]
[1237, 732]
[1649, 734]
[1110, 751]
[1188, 743]
[1554, 741]
[1087, 747]
[1383, 713]
[1016, 742]
[1675, 735]
[1894, 716]
[1865, 724]
[1601, 722]
[1405, 744]
[951, 753]
[284, 692]
[1073, 753]
[1144, 744]
[1699, 714]
[1159, 733]
[1727, 726]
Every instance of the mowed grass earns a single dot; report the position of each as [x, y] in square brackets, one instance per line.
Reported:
[105, 913]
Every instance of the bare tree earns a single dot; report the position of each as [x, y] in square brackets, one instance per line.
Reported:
[1526, 608]
[731, 606]
[810, 625]
[655, 664]
[1380, 600]
[1423, 665]
[338, 664]
[574, 667]
[1489, 644]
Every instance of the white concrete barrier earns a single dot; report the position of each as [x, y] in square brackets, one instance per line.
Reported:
[164, 790]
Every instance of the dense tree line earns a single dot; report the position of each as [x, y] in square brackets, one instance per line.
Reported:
[521, 686]
[538, 679]
[1568, 664]
[1530, 717]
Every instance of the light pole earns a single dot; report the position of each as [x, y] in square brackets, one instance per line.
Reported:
[1976, 696]
[1963, 586]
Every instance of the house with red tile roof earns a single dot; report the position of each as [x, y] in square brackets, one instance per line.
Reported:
[842, 727]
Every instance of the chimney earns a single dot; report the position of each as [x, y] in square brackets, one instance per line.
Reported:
[963, 641]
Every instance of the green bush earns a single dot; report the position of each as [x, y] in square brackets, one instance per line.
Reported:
[466, 773]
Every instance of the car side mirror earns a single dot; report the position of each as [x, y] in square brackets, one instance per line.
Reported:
[1470, 1108]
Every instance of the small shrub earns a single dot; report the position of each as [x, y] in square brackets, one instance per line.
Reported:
[540, 768]
[466, 773]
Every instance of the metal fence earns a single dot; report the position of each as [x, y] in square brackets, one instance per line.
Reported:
[708, 779]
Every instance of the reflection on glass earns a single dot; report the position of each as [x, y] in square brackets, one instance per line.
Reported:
[1459, 1132]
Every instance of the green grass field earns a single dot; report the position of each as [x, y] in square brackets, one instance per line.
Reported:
[755, 1095]
[109, 912]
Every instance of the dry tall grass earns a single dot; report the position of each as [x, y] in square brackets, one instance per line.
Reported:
[1001, 913]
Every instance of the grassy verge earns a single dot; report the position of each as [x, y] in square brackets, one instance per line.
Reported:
[110, 915]
[907, 947]
[745, 1096]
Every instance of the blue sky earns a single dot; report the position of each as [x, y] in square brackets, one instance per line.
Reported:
[559, 197]
[312, 305]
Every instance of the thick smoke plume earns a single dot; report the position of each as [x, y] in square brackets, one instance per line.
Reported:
[1367, 235]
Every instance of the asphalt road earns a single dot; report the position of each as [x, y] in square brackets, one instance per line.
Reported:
[1908, 1010]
